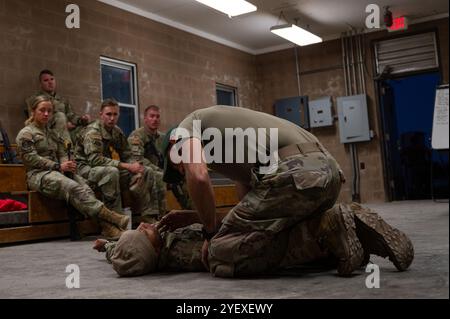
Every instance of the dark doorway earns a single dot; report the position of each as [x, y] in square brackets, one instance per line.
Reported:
[414, 170]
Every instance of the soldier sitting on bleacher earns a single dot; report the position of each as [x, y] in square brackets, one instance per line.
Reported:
[46, 162]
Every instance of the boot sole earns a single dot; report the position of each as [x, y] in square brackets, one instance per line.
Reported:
[379, 238]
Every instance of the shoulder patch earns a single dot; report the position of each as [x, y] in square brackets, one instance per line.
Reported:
[134, 140]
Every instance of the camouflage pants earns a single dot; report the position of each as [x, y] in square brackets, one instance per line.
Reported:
[76, 192]
[253, 237]
[106, 179]
[148, 189]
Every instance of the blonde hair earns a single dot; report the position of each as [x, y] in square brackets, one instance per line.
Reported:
[33, 105]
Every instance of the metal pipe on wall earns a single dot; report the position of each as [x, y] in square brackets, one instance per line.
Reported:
[358, 61]
[347, 61]
[353, 89]
[344, 65]
[297, 70]
[362, 57]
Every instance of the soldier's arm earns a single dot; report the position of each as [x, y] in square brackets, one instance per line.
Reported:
[199, 186]
[30, 157]
[126, 154]
[93, 148]
[61, 151]
[181, 218]
[137, 149]
[110, 246]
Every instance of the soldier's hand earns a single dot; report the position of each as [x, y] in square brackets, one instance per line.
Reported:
[70, 126]
[205, 254]
[86, 118]
[135, 168]
[69, 166]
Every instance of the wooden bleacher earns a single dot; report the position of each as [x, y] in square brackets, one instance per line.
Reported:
[48, 219]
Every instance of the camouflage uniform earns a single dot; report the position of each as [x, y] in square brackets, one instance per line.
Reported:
[98, 154]
[62, 113]
[41, 150]
[306, 183]
[181, 249]
[252, 236]
[146, 149]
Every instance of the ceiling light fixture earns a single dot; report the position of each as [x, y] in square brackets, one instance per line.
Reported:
[230, 7]
[295, 34]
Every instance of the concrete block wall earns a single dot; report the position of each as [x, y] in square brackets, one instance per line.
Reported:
[176, 70]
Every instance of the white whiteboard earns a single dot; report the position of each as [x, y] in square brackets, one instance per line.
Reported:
[439, 138]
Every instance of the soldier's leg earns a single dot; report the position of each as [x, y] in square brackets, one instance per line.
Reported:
[81, 196]
[299, 190]
[336, 233]
[380, 238]
[106, 179]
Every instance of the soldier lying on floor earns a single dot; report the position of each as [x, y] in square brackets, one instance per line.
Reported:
[175, 244]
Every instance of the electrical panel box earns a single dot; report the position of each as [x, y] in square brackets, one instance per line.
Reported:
[353, 118]
[294, 109]
[320, 112]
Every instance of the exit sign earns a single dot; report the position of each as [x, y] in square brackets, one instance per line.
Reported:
[400, 23]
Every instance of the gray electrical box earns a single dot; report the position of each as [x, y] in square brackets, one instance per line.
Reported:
[353, 119]
[294, 109]
[320, 112]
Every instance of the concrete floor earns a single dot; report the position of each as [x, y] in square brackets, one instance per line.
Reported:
[37, 270]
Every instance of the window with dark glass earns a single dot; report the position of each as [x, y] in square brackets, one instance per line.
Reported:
[119, 82]
[226, 95]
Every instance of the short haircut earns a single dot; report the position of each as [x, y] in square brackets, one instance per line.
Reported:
[151, 107]
[109, 102]
[46, 71]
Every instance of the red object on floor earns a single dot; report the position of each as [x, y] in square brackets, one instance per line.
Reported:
[9, 205]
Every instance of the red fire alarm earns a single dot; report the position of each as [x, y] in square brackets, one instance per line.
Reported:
[400, 23]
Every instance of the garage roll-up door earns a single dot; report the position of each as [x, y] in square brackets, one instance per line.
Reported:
[407, 54]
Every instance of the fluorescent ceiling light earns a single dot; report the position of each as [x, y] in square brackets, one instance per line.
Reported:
[295, 34]
[230, 7]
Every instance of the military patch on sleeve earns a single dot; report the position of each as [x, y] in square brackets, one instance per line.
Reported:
[94, 139]
[135, 140]
[27, 146]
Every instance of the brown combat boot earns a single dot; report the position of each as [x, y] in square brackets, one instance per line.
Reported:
[121, 221]
[110, 231]
[380, 238]
[337, 234]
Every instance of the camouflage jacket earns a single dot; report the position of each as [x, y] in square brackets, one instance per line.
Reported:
[97, 146]
[40, 150]
[146, 147]
[60, 105]
[182, 250]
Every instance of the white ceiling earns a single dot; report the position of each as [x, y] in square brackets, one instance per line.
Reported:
[251, 32]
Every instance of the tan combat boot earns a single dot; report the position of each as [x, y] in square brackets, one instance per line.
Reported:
[110, 231]
[380, 238]
[121, 221]
[337, 234]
